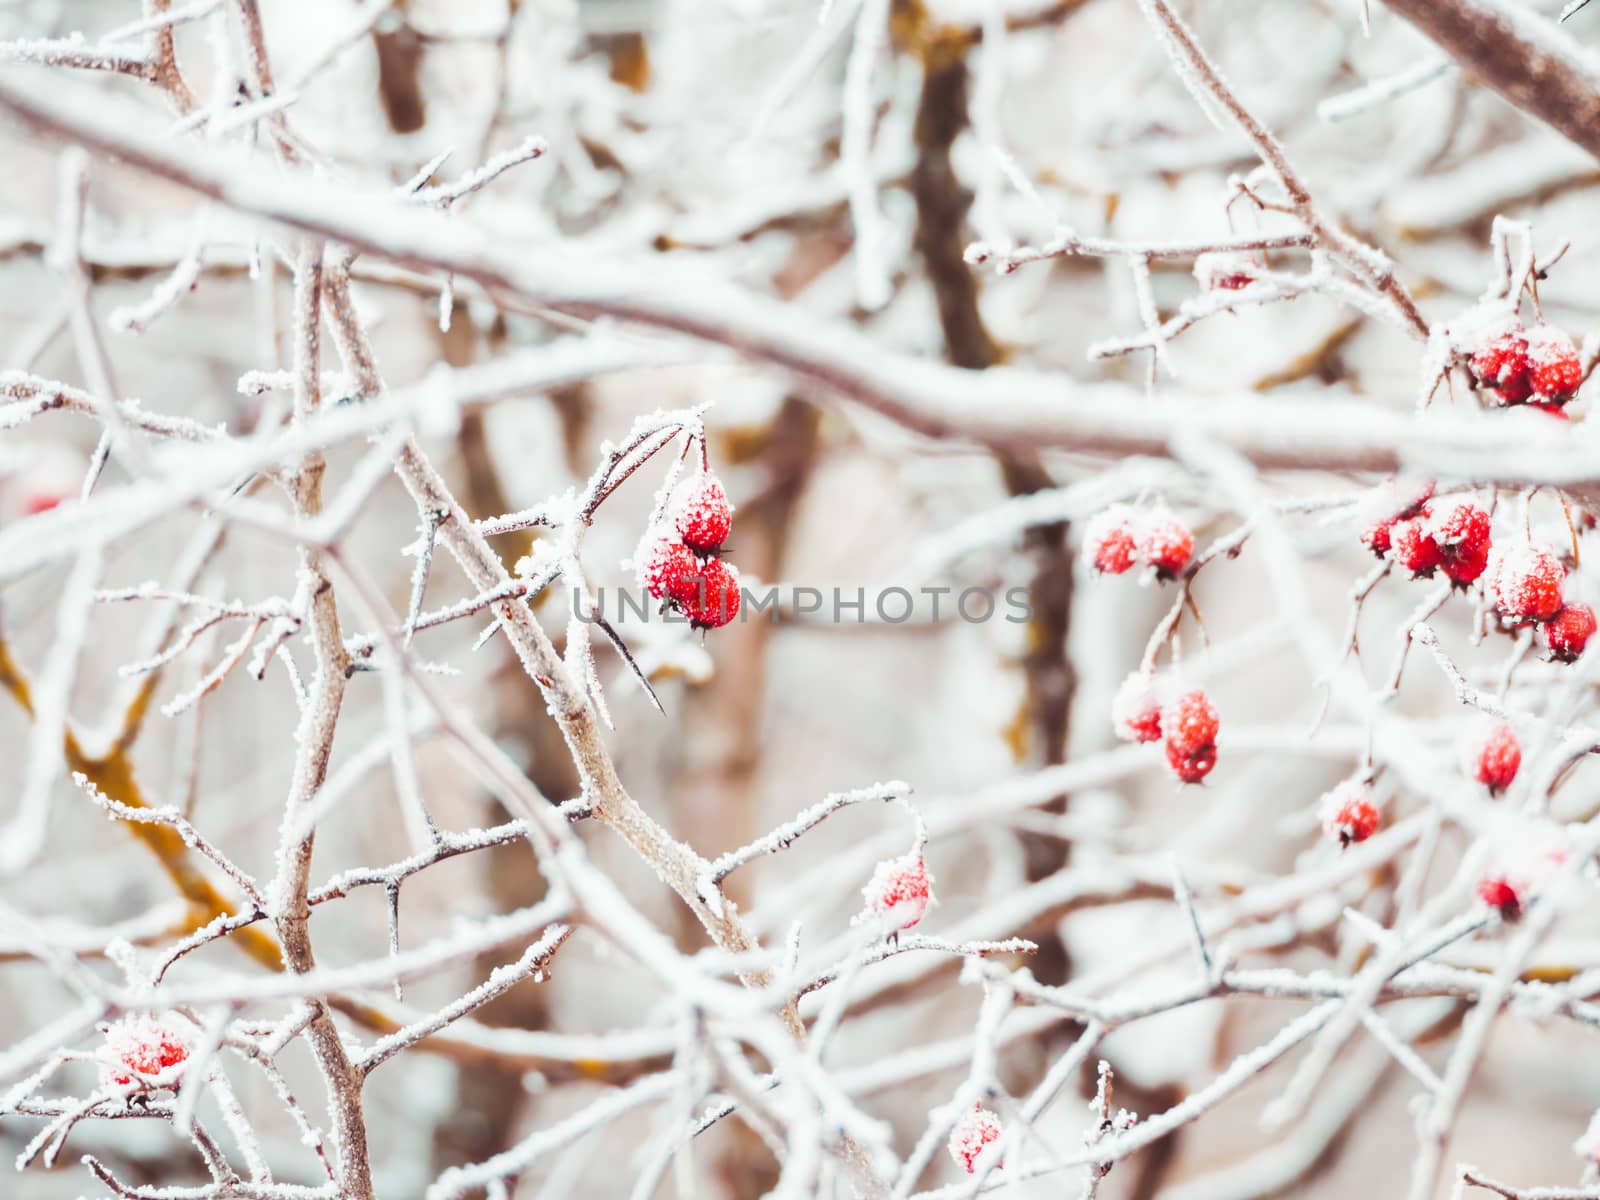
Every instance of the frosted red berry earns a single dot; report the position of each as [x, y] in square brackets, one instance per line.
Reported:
[1165, 543]
[1569, 631]
[1227, 271]
[1413, 548]
[1190, 725]
[1554, 368]
[972, 1133]
[701, 513]
[899, 891]
[709, 595]
[1495, 756]
[1527, 857]
[1376, 537]
[142, 1050]
[1502, 893]
[1525, 582]
[1461, 531]
[1464, 568]
[1350, 813]
[1396, 499]
[666, 565]
[1136, 709]
[1501, 361]
[1109, 544]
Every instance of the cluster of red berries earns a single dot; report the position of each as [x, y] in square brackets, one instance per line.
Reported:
[140, 1050]
[1524, 582]
[971, 1135]
[1188, 722]
[1350, 812]
[1538, 366]
[899, 892]
[678, 560]
[1119, 537]
[1429, 536]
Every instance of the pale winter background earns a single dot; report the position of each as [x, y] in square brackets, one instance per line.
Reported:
[894, 269]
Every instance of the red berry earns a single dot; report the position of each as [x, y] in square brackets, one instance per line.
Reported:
[1516, 389]
[1499, 892]
[1527, 857]
[1496, 756]
[971, 1134]
[665, 565]
[1569, 631]
[1190, 724]
[899, 891]
[1501, 361]
[1165, 543]
[1413, 547]
[1108, 544]
[709, 596]
[1461, 533]
[1228, 271]
[1396, 499]
[140, 1049]
[1525, 582]
[1464, 568]
[35, 503]
[1136, 709]
[1349, 813]
[702, 514]
[1554, 369]
[1376, 537]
